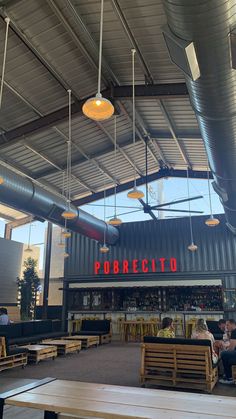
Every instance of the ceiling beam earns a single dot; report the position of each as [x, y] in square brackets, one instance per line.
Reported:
[60, 115]
[162, 173]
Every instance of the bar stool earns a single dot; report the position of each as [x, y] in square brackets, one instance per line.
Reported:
[191, 323]
[155, 325]
[179, 326]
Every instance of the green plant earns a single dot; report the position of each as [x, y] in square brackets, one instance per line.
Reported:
[28, 289]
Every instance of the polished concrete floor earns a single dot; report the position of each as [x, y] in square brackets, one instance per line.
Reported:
[115, 363]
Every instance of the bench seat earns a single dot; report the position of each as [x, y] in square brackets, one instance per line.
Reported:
[183, 363]
[99, 328]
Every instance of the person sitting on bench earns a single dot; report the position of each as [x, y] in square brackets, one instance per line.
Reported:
[4, 319]
[228, 357]
[201, 332]
[167, 329]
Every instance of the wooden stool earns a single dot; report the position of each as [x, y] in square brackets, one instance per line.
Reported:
[191, 323]
[179, 327]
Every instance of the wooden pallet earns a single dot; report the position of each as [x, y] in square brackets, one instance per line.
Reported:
[13, 361]
[37, 353]
[64, 347]
[86, 341]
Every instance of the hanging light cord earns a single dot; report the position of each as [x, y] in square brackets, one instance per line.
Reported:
[133, 107]
[68, 192]
[104, 214]
[115, 139]
[209, 191]
[100, 50]
[7, 20]
[189, 208]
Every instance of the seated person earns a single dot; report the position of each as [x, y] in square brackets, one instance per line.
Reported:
[4, 319]
[201, 332]
[228, 356]
[222, 325]
[167, 328]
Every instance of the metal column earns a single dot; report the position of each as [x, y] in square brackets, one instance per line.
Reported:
[47, 271]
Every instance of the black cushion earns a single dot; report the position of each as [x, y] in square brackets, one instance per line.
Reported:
[42, 326]
[178, 341]
[214, 329]
[96, 325]
[28, 328]
[56, 325]
[16, 351]
[11, 330]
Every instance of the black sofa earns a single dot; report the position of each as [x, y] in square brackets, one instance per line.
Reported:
[214, 329]
[101, 328]
[31, 331]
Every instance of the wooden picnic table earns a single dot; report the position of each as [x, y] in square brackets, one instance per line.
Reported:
[61, 397]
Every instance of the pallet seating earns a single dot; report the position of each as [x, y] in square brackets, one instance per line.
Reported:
[101, 328]
[183, 363]
[11, 359]
[31, 331]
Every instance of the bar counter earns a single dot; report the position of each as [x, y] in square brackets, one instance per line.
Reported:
[117, 316]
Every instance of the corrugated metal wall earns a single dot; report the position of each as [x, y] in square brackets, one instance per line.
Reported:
[155, 239]
[10, 266]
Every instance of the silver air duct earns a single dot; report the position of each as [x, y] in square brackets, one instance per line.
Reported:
[21, 193]
[206, 25]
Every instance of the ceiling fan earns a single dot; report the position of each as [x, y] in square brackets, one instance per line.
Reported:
[149, 209]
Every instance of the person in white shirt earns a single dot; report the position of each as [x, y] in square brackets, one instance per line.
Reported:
[4, 319]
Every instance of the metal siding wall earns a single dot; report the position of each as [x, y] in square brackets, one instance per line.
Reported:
[165, 238]
[10, 267]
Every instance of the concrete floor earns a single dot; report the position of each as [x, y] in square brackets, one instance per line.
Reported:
[115, 363]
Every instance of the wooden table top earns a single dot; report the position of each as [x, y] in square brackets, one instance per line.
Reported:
[83, 337]
[38, 347]
[109, 402]
[57, 342]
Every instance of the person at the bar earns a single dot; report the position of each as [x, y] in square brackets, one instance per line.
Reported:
[228, 356]
[201, 332]
[167, 328]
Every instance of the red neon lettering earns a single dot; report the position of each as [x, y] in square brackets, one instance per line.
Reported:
[135, 266]
[106, 267]
[154, 265]
[144, 265]
[173, 264]
[125, 267]
[96, 267]
[116, 268]
[162, 262]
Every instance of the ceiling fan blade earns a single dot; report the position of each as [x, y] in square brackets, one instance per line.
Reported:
[142, 202]
[130, 212]
[153, 216]
[176, 202]
[112, 206]
[176, 210]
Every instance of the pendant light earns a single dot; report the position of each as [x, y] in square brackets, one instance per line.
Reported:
[61, 243]
[211, 221]
[66, 255]
[29, 249]
[98, 108]
[104, 248]
[192, 247]
[134, 193]
[115, 221]
[68, 214]
[65, 232]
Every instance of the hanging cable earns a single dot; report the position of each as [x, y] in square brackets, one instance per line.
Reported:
[189, 208]
[133, 108]
[7, 20]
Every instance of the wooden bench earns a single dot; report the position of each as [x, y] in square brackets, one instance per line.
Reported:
[62, 398]
[38, 353]
[180, 365]
[10, 361]
[234, 372]
[64, 347]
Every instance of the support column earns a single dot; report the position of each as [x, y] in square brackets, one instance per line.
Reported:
[64, 306]
[47, 271]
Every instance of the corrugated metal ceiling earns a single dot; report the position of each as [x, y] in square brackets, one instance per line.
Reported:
[50, 50]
